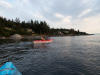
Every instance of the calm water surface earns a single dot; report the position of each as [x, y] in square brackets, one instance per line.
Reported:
[76, 55]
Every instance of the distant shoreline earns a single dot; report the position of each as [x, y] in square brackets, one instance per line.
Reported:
[9, 28]
[7, 40]
[30, 36]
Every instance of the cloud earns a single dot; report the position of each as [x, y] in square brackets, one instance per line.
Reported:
[85, 12]
[25, 1]
[59, 15]
[67, 19]
[63, 19]
[5, 4]
[64, 22]
[89, 24]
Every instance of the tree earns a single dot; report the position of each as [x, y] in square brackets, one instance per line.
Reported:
[17, 20]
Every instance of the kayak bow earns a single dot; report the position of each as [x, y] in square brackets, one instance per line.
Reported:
[42, 41]
[9, 69]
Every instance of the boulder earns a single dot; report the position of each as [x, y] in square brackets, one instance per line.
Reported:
[16, 36]
[2, 37]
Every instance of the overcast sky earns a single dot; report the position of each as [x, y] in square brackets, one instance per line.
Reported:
[78, 14]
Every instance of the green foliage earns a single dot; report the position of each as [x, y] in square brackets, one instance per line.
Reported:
[10, 27]
[40, 27]
[66, 32]
[18, 27]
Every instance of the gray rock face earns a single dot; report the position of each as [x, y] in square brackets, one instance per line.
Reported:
[16, 36]
[2, 37]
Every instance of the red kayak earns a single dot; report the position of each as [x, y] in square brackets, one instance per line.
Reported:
[42, 41]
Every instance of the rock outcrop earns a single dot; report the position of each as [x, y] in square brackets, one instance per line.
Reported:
[16, 37]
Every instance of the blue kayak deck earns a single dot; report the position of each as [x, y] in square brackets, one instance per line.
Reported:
[9, 69]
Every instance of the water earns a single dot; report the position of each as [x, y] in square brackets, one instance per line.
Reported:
[76, 55]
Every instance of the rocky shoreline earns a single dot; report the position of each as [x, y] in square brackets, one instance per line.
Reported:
[32, 37]
[17, 37]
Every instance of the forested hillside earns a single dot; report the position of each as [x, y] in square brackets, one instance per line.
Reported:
[10, 27]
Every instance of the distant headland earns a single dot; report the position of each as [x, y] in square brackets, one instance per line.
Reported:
[31, 28]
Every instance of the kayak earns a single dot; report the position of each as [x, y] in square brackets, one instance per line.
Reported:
[42, 41]
[9, 69]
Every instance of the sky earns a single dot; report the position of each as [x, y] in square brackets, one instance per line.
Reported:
[78, 14]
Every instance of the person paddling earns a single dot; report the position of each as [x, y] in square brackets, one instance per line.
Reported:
[42, 37]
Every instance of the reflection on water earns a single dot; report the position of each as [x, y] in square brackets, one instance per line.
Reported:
[77, 55]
